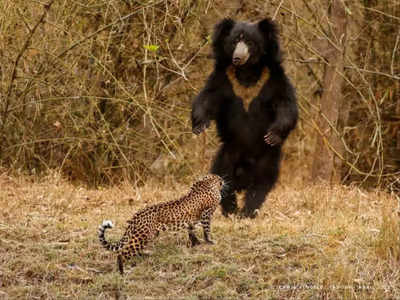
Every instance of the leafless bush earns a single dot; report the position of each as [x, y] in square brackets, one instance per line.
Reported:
[367, 127]
[101, 90]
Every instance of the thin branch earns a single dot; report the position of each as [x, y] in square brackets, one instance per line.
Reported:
[27, 42]
[373, 72]
[378, 11]
[394, 52]
[119, 20]
[277, 10]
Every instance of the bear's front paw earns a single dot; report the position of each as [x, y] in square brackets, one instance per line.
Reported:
[199, 126]
[272, 139]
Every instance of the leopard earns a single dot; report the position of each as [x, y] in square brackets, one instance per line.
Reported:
[195, 207]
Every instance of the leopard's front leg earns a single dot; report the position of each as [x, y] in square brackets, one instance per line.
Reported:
[206, 223]
[193, 238]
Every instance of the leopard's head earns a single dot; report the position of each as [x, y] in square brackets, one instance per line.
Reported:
[208, 183]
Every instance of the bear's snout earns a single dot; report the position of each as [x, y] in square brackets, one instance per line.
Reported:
[240, 54]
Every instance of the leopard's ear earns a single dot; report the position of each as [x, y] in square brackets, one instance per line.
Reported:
[207, 179]
[222, 30]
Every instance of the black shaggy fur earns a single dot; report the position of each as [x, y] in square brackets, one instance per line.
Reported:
[251, 139]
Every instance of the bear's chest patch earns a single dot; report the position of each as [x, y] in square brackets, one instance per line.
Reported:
[246, 93]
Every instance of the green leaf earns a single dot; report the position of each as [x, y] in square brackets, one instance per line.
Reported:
[152, 48]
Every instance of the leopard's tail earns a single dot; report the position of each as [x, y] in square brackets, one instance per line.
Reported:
[109, 246]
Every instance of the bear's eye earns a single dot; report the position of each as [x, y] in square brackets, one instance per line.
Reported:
[250, 43]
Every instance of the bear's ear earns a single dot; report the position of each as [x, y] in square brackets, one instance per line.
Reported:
[271, 44]
[222, 30]
[269, 28]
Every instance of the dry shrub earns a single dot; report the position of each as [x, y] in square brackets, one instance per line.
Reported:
[102, 90]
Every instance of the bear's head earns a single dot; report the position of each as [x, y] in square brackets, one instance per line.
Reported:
[244, 43]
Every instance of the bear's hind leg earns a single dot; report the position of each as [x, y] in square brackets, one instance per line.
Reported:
[264, 175]
[223, 166]
[255, 197]
[229, 202]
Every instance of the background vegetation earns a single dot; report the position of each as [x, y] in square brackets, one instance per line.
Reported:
[98, 92]
[101, 90]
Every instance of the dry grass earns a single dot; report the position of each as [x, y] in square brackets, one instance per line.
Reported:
[309, 242]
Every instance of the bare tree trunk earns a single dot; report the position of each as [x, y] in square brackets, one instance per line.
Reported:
[327, 165]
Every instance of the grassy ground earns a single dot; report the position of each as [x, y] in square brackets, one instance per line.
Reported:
[310, 242]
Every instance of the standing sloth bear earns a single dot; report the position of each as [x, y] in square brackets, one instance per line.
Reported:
[254, 106]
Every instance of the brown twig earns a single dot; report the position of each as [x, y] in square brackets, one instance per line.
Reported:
[46, 8]
[104, 28]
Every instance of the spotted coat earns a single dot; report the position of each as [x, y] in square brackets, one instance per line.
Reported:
[195, 207]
